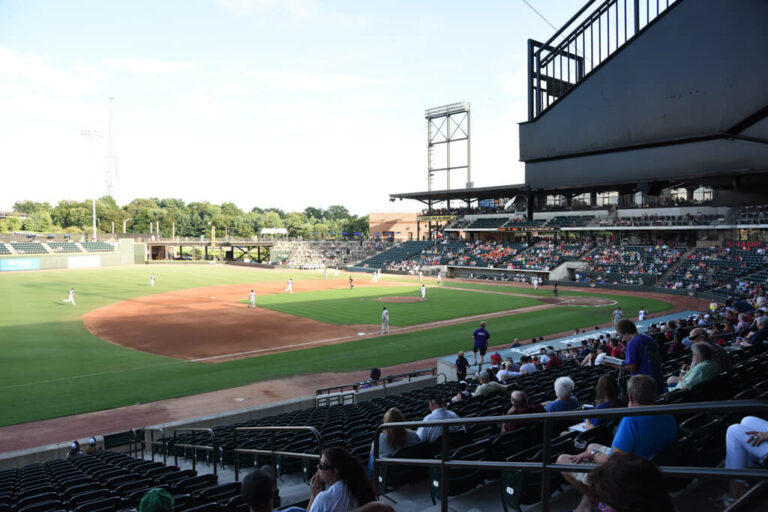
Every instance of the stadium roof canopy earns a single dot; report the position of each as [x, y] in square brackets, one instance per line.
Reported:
[465, 194]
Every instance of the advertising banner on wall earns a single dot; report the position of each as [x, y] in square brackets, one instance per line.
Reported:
[9, 264]
[83, 261]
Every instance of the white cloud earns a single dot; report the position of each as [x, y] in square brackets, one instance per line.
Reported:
[298, 8]
[311, 82]
[149, 67]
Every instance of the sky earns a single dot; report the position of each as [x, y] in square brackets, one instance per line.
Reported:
[268, 103]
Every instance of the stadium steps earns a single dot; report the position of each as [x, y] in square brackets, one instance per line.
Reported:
[673, 267]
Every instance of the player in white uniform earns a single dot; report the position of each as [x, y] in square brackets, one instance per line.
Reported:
[71, 297]
[385, 321]
[325, 273]
[252, 300]
[423, 292]
[152, 280]
[420, 275]
[439, 278]
[289, 288]
[336, 272]
[643, 314]
[535, 282]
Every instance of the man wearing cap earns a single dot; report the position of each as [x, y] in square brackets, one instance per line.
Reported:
[92, 447]
[156, 500]
[488, 387]
[385, 321]
[481, 337]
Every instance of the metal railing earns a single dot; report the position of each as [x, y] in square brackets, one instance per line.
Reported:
[556, 66]
[162, 443]
[309, 456]
[212, 448]
[545, 466]
[383, 381]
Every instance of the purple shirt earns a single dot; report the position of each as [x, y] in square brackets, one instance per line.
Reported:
[643, 352]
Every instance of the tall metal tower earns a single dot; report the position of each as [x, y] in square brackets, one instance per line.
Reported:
[111, 158]
[448, 124]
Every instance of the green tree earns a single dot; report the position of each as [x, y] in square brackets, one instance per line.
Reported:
[31, 207]
[11, 224]
[38, 222]
[337, 212]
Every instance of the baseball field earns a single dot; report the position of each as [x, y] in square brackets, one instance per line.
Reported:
[127, 342]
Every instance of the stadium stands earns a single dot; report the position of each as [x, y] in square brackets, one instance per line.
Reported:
[29, 248]
[392, 257]
[98, 246]
[64, 247]
[715, 267]
[4, 249]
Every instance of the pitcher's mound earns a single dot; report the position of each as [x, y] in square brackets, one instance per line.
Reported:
[577, 301]
[399, 299]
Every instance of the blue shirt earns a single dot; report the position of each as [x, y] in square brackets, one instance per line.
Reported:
[481, 336]
[563, 405]
[645, 435]
[643, 352]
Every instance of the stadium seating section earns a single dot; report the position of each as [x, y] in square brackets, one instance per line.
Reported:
[396, 254]
[29, 248]
[716, 268]
[64, 247]
[98, 246]
[4, 249]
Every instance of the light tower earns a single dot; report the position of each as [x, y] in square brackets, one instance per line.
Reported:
[448, 124]
[111, 158]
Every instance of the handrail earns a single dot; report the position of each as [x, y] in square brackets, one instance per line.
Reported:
[548, 419]
[211, 448]
[565, 59]
[355, 386]
[152, 443]
[237, 451]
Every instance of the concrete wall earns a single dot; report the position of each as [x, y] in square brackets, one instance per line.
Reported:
[693, 73]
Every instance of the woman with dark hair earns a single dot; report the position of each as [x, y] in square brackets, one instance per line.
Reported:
[629, 483]
[348, 485]
[74, 449]
[606, 397]
[394, 438]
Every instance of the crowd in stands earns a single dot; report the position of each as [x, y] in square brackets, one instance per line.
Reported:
[547, 255]
[716, 267]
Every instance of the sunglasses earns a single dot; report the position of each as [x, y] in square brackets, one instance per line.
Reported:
[324, 466]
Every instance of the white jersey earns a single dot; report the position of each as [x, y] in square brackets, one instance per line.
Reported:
[423, 292]
[642, 315]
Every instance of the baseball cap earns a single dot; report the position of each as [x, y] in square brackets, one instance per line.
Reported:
[92, 441]
[258, 487]
[156, 500]
[484, 375]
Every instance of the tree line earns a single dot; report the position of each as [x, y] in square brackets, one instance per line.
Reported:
[190, 220]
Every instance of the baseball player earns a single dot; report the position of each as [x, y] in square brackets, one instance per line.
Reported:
[152, 280]
[420, 275]
[535, 282]
[289, 288]
[385, 321]
[351, 283]
[325, 273]
[423, 292]
[71, 297]
[336, 272]
[439, 277]
[252, 300]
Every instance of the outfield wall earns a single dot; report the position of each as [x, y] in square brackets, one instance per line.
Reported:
[128, 253]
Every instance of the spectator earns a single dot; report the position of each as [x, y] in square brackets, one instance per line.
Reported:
[758, 336]
[565, 400]
[629, 483]
[92, 447]
[642, 355]
[527, 368]
[462, 365]
[506, 373]
[520, 405]
[462, 393]
[642, 435]
[702, 368]
[746, 443]
[554, 360]
[617, 350]
[74, 449]
[156, 500]
[719, 354]
[606, 397]
[439, 412]
[393, 438]
[348, 485]
[488, 387]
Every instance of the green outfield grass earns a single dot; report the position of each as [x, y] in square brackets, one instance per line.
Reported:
[362, 305]
[52, 366]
